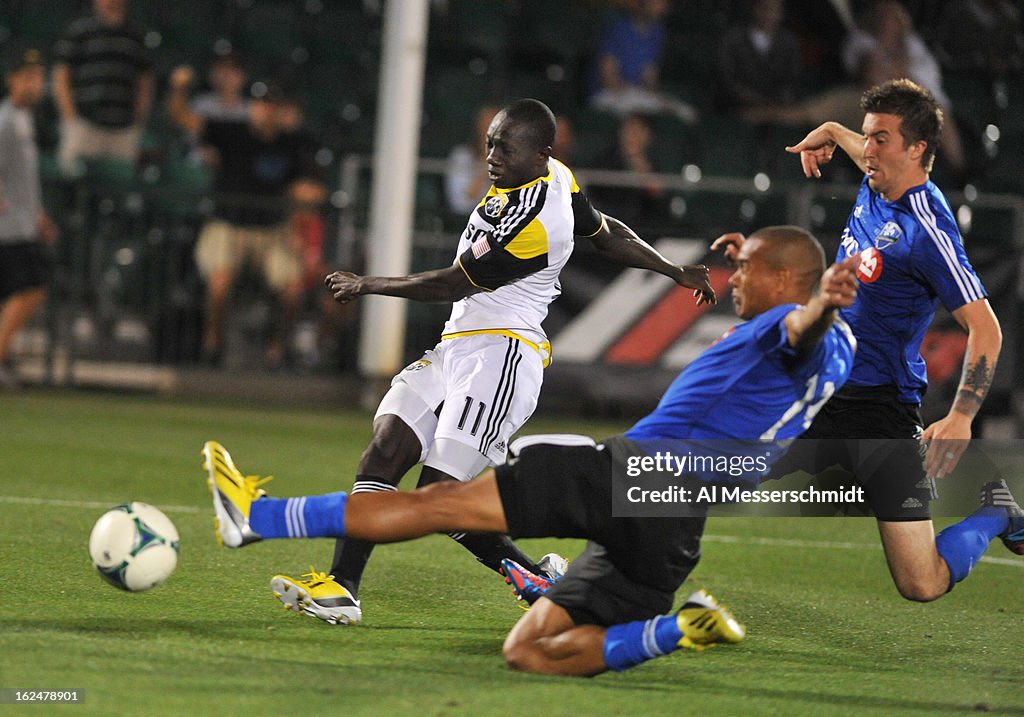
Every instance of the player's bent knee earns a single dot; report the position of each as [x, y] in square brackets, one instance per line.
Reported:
[917, 590]
[523, 656]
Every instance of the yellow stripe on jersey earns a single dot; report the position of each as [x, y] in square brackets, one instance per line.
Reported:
[530, 242]
[604, 223]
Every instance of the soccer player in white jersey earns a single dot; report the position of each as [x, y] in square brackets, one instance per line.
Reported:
[455, 409]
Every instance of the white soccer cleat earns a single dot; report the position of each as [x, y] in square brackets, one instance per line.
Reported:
[553, 565]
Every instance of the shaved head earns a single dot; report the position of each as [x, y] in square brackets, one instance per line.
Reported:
[536, 120]
[795, 249]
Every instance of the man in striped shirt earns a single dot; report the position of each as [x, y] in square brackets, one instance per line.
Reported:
[911, 258]
[103, 86]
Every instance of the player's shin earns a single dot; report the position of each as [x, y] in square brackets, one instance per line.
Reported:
[315, 516]
[491, 548]
[631, 643]
[962, 544]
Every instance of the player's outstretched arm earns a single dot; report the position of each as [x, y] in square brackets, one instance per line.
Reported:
[817, 148]
[436, 286]
[947, 438]
[618, 242]
[837, 289]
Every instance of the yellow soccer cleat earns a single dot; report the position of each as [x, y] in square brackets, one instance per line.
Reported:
[321, 596]
[704, 623]
[233, 495]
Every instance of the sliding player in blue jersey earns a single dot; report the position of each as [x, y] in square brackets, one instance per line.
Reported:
[764, 379]
[911, 258]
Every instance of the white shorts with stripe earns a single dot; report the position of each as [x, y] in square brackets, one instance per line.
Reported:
[465, 398]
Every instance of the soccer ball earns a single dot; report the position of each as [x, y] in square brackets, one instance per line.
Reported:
[134, 546]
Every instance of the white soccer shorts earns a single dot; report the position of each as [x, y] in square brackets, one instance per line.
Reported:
[465, 398]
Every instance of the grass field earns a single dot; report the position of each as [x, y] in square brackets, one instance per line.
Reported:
[827, 632]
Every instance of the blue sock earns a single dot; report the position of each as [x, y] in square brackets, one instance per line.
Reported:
[631, 643]
[962, 544]
[314, 516]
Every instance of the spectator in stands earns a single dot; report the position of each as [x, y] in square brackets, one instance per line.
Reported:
[981, 35]
[643, 206]
[226, 99]
[629, 65]
[886, 47]
[759, 61]
[759, 65]
[565, 140]
[25, 229]
[102, 86]
[259, 163]
[466, 181]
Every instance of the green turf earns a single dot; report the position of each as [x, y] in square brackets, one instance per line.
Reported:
[827, 632]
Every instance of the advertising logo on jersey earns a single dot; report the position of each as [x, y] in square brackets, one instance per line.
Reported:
[889, 235]
[870, 267]
[494, 205]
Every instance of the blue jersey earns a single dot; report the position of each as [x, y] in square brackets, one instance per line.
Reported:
[751, 385]
[912, 257]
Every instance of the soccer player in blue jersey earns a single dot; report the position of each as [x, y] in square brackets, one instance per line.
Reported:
[764, 379]
[911, 258]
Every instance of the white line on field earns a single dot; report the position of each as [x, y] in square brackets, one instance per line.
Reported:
[58, 503]
[710, 537]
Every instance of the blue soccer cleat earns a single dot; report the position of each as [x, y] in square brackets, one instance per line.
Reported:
[527, 586]
[997, 494]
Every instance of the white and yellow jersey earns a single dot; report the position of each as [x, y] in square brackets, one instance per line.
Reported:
[514, 246]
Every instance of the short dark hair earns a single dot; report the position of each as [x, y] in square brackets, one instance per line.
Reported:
[796, 249]
[917, 108]
[537, 119]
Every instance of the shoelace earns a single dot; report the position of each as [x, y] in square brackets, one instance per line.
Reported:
[316, 576]
[252, 485]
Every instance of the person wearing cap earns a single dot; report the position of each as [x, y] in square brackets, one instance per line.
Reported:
[257, 165]
[25, 229]
[102, 86]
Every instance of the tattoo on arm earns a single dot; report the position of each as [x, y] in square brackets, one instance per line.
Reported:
[974, 385]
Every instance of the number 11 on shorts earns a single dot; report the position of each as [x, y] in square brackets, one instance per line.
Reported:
[467, 410]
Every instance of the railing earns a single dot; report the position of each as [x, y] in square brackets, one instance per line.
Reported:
[127, 288]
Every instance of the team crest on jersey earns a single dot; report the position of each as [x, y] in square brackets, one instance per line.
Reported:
[494, 205]
[417, 365]
[870, 267]
[889, 235]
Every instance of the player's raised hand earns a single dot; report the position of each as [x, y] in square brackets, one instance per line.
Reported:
[838, 286]
[695, 276]
[344, 285]
[815, 150]
[729, 244]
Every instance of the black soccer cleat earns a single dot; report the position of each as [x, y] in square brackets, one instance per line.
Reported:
[997, 494]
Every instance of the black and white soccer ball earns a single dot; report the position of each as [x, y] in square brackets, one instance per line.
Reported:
[134, 546]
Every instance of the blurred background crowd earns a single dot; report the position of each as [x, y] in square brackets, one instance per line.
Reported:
[205, 161]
